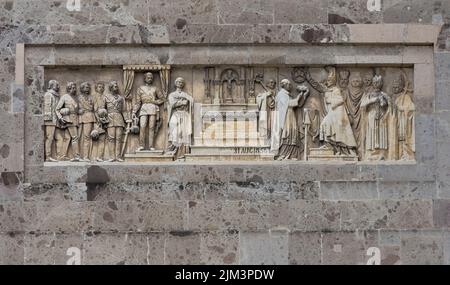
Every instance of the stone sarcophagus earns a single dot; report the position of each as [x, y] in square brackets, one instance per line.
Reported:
[155, 112]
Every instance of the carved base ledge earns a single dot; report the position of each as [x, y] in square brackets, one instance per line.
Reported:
[149, 156]
[229, 157]
[318, 154]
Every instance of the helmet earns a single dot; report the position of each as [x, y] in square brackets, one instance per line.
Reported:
[65, 111]
[134, 129]
[94, 135]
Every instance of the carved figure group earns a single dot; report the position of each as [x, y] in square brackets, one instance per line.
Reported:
[83, 121]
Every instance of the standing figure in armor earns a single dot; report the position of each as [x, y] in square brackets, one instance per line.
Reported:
[67, 113]
[51, 99]
[86, 120]
[114, 104]
[146, 107]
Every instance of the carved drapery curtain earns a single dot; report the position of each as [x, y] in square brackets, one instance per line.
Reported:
[128, 79]
[165, 79]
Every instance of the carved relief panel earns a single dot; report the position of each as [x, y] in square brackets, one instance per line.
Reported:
[147, 113]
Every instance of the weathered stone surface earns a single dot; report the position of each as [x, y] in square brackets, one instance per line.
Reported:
[139, 216]
[230, 208]
[363, 215]
[67, 247]
[11, 145]
[407, 190]
[104, 248]
[13, 217]
[308, 12]
[311, 215]
[11, 187]
[422, 248]
[183, 248]
[264, 248]
[352, 12]
[305, 248]
[340, 190]
[416, 214]
[54, 192]
[220, 248]
[442, 81]
[248, 12]
[395, 11]
[12, 249]
[38, 249]
[348, 247]
[60, 216]
[441, 213]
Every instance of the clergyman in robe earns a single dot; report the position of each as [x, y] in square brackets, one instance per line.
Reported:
[180, 107]
[286, 136]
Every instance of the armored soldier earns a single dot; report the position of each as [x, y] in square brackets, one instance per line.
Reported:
[67, 114]
[86, 119]
[146, 107]
[114, 104]
[51, 98]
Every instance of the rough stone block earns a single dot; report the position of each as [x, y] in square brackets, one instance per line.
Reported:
[407, 190]
[352, 12]
[422, 249]
[441, 213]
[239, 215]
[11, 187]
[67, 247]
[61, 216]
[46, 192]
[264, 248]
[12, 249]
[305, 248]
[272, 33]
[363, 215]
[48, 12]
[424, 88]
[248, 12]
[442, 95]
[38, 249]
[183, 12]
[348, 247]
[220, 248]
[156, 250]
[414, 214]
[348, 190]
[313, 215]
[12, 142]
[308, 12]
[183, 248]
[425, 138]
[13, 217]
[139, 216]
[443, 126]
[119, 12]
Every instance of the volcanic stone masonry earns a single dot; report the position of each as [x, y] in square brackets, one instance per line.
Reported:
[224, 132]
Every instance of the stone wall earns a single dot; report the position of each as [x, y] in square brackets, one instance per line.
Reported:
[229, 213]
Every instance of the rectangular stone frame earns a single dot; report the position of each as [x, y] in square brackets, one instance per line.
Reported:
[364, 45]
